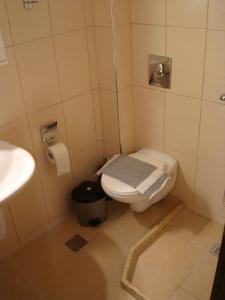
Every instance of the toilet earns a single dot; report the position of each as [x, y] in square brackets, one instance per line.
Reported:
[122, 192]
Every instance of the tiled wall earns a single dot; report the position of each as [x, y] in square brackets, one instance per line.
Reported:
[72, 62]
[114, 56]
[51, 75]
[187, 121]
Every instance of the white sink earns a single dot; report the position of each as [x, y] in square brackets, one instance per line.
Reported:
[16, 168]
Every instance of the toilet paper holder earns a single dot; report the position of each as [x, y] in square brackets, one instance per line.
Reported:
[49, 133]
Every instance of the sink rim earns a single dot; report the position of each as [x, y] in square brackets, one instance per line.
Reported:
[21, 181]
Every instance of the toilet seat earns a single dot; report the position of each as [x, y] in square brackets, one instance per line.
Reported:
[119, 188]
[122, 192]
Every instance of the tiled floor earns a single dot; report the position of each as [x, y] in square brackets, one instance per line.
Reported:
[179, 266]
[47, 269]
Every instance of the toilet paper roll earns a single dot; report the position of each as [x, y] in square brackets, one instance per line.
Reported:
[58, 155]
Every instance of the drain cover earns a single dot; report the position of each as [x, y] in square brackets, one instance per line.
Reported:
[76, 243]
[215, 250]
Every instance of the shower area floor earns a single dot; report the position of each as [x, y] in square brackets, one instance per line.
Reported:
[177, 264]
[181, 263]
[47, 269]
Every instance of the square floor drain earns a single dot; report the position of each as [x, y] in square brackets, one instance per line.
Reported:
[76, 243]
[215, 250]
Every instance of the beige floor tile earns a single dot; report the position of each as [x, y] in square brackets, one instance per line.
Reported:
[111, 292]
[180, 294]
[15, 286]
[44, 253]
[178, 261]
[152, 284]
[200, 282]
[76, 277]
[211, 234]
[137, 223]
[108, 256]
[199, 230]
[118, 231]
[180, 256]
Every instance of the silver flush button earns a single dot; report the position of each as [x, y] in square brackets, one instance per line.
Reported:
[160, 71]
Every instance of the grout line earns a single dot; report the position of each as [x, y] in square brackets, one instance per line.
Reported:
[201, 108]
[26, 117]
[164, 90]
[90, 78]
[114, 43]
[178, 27]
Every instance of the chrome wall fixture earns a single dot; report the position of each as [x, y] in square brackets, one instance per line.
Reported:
[29, 3]
[222, 98]
[49, 133]
[160, 68]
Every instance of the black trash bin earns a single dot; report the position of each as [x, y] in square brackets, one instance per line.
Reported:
[90, 203]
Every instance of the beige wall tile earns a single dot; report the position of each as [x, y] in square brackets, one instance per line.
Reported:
[4, 24]
[28, 24]
[110, 121]
[18, 133]
[111, 148]
[210, 187]
[186, 47]
[88, 13]
[212, 138]
[98, 114]
[214, 81]
[184, 188]
[126, 114]
[192, 13]
[72, 58]
[12, 106]
[84, 164]
[216, 19]
[151, 12]
[128, 147]
[211, 215]
[122, 12]
[92, 57]
[39, 119]
[105, 58]
[102, 13]
[101, 151]
[146, 40]
[80, 124]
[28, 208]
[57, 192]
[139, 143]
[38, 74]
[182, 117]
[124, 56]
[149, 115]
[10, 236]
[66, 15]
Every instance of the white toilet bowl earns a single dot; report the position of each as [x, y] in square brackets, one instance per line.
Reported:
[124, 193]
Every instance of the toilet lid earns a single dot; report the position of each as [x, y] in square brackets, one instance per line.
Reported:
[118, 187]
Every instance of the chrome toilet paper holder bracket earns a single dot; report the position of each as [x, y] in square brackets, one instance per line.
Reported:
[49, 133]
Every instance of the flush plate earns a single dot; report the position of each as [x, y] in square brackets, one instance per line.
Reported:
[160, 68]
